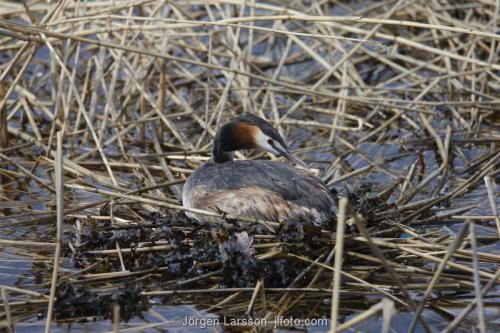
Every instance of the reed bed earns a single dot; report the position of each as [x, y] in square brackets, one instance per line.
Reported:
[106, 107]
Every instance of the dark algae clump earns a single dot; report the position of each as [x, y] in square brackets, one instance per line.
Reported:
[76, 301]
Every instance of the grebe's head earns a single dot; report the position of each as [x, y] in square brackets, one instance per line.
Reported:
[250, 132]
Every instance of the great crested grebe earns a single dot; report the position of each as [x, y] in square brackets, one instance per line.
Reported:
[268, 190]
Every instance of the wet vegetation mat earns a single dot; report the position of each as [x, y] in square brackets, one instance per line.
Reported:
[106, 107]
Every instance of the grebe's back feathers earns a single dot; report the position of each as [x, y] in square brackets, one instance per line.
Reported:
[261, 189]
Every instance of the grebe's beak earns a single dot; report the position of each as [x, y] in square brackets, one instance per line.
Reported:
[286, 153]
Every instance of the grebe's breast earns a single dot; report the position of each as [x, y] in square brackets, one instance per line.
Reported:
[266, 190]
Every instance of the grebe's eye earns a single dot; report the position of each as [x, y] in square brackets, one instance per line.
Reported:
[270, 141]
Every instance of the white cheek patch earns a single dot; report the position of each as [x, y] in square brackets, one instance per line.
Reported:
[261, 142]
